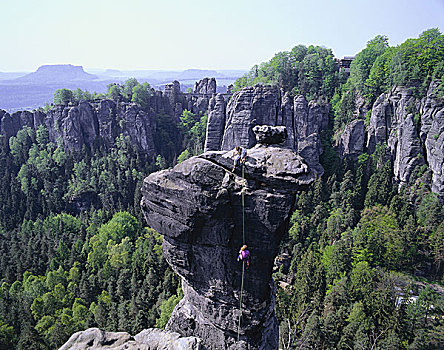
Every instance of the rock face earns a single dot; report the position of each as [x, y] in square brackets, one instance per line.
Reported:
[267, 105]
[205, 86]
[148, 339]
[215, 124]
[351, 144]
[411, 129]
[249, 107]
[197, 206]
[432, 136]
[392, 123]
[395, 121]
[310, 118]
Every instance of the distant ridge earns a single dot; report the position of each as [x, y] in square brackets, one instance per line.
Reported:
[56, 73]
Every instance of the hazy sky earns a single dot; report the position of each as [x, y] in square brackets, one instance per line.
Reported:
[207, 34]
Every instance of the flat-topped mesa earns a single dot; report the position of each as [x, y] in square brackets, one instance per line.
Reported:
[197, 206]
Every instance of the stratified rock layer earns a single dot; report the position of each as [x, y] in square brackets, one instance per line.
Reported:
[148, 339]
[197, 206]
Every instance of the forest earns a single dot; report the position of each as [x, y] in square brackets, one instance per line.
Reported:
[363, 262]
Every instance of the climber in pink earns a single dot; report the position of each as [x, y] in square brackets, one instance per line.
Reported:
[244, 255]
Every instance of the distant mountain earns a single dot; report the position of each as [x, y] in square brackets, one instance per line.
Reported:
[55, 73]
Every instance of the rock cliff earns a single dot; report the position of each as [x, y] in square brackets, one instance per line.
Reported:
[197, 206]
[412, 129]
[232, 124]
[352, 140]
[432, 136]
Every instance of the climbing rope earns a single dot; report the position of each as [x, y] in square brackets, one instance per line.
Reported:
[243, 261]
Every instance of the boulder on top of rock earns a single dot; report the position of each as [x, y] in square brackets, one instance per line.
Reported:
[270, 135]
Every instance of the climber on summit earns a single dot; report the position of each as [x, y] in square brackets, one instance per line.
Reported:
[241, 155]
[244, 254]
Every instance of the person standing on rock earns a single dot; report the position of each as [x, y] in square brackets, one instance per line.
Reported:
[241, 155]
[244, 255]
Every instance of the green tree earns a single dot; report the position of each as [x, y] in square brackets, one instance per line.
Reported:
[6, 335]
[114, 91]
[128, 87]
[63, 96]
[141, 94]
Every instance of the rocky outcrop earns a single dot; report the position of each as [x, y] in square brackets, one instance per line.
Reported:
[310, 118]
[251, 106]
[205, 86]
[432, 136]
[267, 105]
[197, 206]
[215, 124]
[351, 143]
[412, 129]
[392, 123]
[148, 339]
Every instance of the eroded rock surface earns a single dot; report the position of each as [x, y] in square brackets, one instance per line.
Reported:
[269, 135]
[197, 206]
[205, 86]
[148, 339]
[267, 105]
[432, 136]
[413, 131]
[351, 143]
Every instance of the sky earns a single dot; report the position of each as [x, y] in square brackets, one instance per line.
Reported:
[203, 34]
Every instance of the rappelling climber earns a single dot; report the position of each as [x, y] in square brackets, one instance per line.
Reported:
[241, 155]
[244, 255]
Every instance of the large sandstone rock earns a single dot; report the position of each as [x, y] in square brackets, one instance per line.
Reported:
[254, 105]
[148, 339]
[267, 105]
[197, 206]
[270, 135]
[310, 118]
[432, 135]
[351, 143]
[215, 124]
[413, 131]
[205, 86]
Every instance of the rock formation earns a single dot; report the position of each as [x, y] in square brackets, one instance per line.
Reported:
[205, 86]
[352, 141]
[411, 129]
[432, 136]
[148, 339]
[85, 123]
[215, 124]
[266, 105]
[197, 206]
